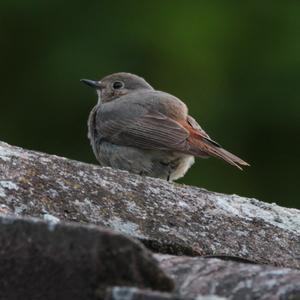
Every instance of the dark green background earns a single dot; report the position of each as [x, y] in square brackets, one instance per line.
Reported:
[236, 65]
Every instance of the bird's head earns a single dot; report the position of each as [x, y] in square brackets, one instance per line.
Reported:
[116, 85]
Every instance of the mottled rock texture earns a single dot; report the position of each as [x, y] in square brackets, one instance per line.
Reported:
[168, 218]
[230, 279]
[128, 293]
[46, 261]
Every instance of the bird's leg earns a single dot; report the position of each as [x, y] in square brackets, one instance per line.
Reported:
[169, 175]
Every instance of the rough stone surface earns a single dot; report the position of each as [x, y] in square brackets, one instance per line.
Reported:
[168, 218]
[46, 261]
[128, 293]
[230, 279]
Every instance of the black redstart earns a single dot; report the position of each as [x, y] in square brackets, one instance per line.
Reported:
[147, 132]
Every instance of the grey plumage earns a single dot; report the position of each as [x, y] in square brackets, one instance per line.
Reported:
[136, 128]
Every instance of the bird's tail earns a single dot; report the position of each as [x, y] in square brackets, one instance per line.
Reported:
[214, 149]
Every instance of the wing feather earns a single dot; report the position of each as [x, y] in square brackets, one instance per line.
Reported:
[153, 131]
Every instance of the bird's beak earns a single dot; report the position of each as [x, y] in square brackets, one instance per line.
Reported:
[92, 83]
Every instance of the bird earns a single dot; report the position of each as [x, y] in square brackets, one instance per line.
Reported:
[148, 132]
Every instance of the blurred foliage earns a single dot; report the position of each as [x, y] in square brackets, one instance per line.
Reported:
[236, 65]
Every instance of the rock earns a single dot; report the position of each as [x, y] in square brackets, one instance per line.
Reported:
[46, 261]
[235, 280]
[168, 218]
[128, 293]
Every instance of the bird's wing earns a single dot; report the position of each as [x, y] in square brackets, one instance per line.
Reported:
[152, 130]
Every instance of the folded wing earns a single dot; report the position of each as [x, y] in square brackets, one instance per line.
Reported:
[155, 131]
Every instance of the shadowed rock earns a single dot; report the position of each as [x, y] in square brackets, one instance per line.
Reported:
[54, 261]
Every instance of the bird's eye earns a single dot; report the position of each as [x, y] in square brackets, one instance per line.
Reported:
[117, 85]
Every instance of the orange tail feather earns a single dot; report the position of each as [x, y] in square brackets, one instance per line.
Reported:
[213, 149]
